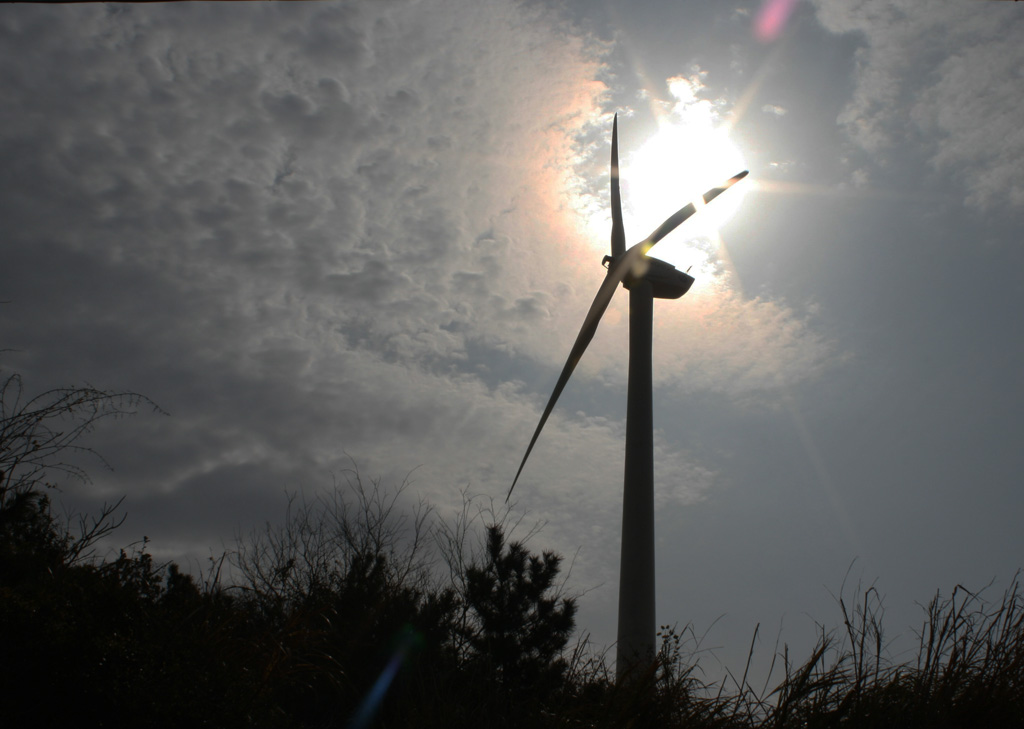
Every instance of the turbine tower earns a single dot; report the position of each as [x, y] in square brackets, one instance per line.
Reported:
[646, 279]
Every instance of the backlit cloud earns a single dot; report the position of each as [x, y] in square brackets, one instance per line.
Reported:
[945, 80]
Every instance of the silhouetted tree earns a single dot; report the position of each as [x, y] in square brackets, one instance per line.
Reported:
[521, 624]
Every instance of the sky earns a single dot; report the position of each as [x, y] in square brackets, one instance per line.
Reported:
[364, 234]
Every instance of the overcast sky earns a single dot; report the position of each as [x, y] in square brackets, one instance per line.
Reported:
[369, 231]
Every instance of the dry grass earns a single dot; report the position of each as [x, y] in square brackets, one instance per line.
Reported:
[968, 672]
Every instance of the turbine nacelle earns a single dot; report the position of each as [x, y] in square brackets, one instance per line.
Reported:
[667, 282]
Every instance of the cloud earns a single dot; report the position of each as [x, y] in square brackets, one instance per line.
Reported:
[958, 108]
[312, 230]
[281, 222]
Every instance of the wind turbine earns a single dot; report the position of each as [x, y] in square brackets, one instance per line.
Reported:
[646, 279]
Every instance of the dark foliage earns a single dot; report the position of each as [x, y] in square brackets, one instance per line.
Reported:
[338, 617]
[520, 627]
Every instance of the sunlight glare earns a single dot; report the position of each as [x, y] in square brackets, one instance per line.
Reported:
[684, 159]
[689, 154]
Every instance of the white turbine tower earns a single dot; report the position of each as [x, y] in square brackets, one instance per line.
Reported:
[646, 279]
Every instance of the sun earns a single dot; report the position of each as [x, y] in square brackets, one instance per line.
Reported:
[675, 166]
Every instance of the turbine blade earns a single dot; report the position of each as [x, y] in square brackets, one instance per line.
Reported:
[617, 273]
[618, 232]
[716, 191]
[614, 277]
[676, 219]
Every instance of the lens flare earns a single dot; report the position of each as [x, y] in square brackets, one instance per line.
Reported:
[408, 639]
[772, 17]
